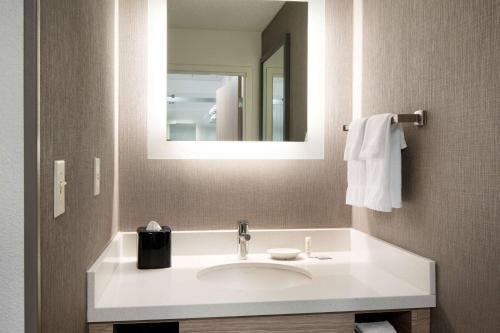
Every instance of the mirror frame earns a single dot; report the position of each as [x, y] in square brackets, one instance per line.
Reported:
[160, 148]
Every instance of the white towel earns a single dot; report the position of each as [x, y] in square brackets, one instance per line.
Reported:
[398, 143]
[356, 169]
[376, 132]
[375, 327]
[381, 150]
[354, 140]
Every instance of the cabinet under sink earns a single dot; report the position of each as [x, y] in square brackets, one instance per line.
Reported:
[404, 321]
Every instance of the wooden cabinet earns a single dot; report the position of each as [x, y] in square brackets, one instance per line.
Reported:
[101, 328]
[317, 323]
[405, 321]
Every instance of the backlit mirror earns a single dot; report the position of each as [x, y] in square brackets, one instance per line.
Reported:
[236, 70]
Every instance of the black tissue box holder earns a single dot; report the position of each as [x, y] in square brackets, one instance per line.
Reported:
[154, 250]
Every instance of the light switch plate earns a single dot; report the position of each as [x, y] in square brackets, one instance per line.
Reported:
[59, 188]
[97, 176]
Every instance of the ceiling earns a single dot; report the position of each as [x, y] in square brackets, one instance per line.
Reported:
[235, 15]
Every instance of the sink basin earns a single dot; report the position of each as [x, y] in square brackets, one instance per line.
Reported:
[255, 276]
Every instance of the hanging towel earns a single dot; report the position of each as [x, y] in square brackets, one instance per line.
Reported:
[381, 151]
[374, 327]
[375, 139]
[376, 134]
[356, 168]
[398, 143]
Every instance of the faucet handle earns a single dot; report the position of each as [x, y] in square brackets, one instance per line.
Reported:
[245, 237]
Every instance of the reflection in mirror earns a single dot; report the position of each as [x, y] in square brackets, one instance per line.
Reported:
[237, 70]
[275, 94]
[205, 107]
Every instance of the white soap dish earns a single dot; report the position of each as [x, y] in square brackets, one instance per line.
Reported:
[284, 254]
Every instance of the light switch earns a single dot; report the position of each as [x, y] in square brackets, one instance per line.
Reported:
[59, 188]
[97, 176]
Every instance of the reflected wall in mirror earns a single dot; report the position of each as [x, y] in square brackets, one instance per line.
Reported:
[275, 93]
[237, 70]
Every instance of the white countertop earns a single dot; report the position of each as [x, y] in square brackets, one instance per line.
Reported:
[364, 274]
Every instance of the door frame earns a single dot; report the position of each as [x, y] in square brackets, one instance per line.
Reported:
[285, 43]
[32, 298]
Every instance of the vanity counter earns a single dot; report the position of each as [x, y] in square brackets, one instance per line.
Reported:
[363, 274]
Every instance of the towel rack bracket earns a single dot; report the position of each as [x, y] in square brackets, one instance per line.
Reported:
[418, 118]
[421, 118]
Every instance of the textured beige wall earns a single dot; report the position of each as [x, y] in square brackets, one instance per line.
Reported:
[76, 125]
[444, 56]
[211, 194]
[292, 19]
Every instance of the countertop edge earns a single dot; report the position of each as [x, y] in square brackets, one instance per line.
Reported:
[198, 311]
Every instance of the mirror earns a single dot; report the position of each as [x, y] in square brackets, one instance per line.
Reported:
[176, 47]
[237, 70]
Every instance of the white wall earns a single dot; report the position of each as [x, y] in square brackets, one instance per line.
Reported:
[11, 167]
[220, 48]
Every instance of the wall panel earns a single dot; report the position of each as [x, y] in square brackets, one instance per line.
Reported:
[442, 56]
[76, 125]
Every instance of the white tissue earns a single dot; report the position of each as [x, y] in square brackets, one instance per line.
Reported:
[153, 226]
[374, 327]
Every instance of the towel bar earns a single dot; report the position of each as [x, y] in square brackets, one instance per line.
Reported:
[418, 118]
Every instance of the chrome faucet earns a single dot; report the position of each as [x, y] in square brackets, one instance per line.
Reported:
[243, 238]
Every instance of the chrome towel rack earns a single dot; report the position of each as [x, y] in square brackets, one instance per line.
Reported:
[418, 118]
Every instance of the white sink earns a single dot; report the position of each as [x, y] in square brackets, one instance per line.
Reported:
[255, 276]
